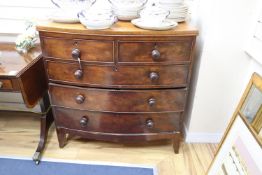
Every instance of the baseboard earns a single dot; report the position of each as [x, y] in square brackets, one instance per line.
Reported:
[201, 137]
[11, 97]
[18, 107]
[13, 101]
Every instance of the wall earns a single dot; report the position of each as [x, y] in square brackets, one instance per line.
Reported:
[13, 13]
[223, 68]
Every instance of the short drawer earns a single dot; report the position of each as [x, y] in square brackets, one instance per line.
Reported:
[118, 100]
[177, 51]
[153, 76]
[116, 123]
[90, 50]
[6, 84]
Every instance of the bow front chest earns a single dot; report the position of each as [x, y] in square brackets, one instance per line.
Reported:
[122, 84]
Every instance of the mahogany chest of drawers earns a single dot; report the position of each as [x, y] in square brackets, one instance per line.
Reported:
[122, 84]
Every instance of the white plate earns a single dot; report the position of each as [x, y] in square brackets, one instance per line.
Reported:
[178, 19]
[177, 16]
[63, 17]
[175, 6]
[165, 25]
[172, 1]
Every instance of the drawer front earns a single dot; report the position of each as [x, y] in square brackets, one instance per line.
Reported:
[90, 50]
[5, 84]
[123, 77]
[116, 123]
[155, 51]
[118, 100]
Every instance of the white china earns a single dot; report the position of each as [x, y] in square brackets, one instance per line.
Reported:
[73, 5]
[178, 19]
[127, 4]
[67, 10]
[126, 15]
[127, 9]
[98, 16]
[166, 24]
[153, 15]
[62, 16]
[171, 1]
[97, 19]
[178, 9]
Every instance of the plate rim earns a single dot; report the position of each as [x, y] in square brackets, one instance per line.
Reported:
[155, 27]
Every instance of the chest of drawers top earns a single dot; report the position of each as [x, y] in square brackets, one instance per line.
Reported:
[118, 29]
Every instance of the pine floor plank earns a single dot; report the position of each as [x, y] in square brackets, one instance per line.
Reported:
[19, 134]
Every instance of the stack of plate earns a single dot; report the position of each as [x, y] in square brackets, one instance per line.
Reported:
[127, 9]
[97, 18]
[177, 8]
[154, 18]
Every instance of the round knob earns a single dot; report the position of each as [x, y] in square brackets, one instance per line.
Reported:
[76, 53]
[80, 99]
[153, 76]
[83, 122]
[156, 54]
[78, 74]
[149, 123]
[152, 102]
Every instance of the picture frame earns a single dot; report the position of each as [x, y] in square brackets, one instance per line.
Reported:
[240, 150]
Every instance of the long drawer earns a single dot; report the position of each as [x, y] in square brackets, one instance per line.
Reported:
[118, 100]
[154, 52]
[154, 76]
[116, 123]
[90, 50]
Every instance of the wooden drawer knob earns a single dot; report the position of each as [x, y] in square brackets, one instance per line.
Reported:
[83, 122]
[152, 102]
[154, 76]
[80, 99]
[149, 123]
[156, 55]
[78, 74]
[1, 84]
[76, 53]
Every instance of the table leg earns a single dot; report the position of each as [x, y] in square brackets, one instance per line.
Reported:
[46, 121]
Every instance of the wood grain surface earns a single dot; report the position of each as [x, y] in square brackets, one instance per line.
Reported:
[125, 101]
[120, 28]
[124, 76]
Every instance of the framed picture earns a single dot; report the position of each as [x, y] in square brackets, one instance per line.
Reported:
[240, 151]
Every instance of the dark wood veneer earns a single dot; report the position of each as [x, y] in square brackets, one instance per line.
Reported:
[128, 84]
[33, 81]
[118, 100]
[91, 50]
[117, 123]
[142, 51]
[136, 76]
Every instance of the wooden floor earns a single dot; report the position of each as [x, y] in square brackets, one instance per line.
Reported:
[19, 134]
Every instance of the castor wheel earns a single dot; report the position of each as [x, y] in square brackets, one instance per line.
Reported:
[37, 162]
[36, 158]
